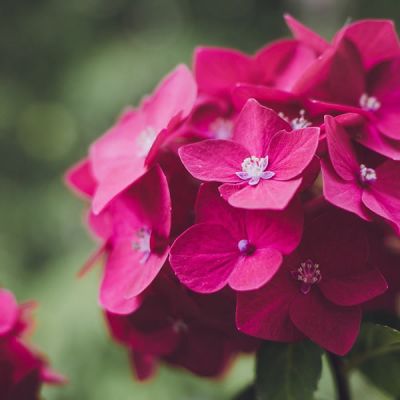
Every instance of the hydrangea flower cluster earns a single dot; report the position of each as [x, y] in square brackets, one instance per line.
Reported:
[255, 198]
[22, 370]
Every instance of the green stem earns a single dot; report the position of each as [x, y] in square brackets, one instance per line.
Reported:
[340, 377]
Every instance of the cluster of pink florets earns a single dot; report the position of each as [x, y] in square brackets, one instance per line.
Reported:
[257, 197]
[22, 370]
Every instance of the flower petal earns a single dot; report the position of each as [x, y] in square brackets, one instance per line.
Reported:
[354, 289]
[264, 313]
[214, 160]
[306, 35]
[204, 256]
[217, 70]
[80, 178]
[255, 127]
[9, 311]
[383, 196]
[267, 195]
[291, 152]
[332, 327]
[341, 153]
[253, 271]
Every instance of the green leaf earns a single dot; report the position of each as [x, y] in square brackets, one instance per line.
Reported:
[377, 355]
[287, 371]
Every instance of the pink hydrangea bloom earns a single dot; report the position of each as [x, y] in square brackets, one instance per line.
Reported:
[141, 223]
[124, 153]
[319, 290]
[354, 186]
[261, 168]
[235, 247]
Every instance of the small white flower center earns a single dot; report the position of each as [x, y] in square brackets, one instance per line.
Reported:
[369, 103]
[254, 169]
[299, 122]
[367, 175]
[145, 140]
[221, 128]
[308, 274]
[141, 243]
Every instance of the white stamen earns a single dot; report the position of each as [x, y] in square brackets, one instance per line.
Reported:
[369, 103]
[254, 169]
[145, 140]
[299, 122]
[142, 244]
[367, 175]
[308, 274]
[221, 128]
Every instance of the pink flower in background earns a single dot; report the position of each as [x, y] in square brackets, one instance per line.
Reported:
[230, 246]
[22, 371]
[261, 168]
[124, 153]
[355, 186]
[141, 223]
[319, 290]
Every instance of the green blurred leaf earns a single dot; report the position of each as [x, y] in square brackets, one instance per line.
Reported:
[288, 371]
[377, 355]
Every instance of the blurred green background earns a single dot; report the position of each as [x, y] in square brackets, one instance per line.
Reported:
[67, 69]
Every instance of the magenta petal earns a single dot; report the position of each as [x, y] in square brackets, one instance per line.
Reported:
[282, 62]
[9, 311]
[214, 160]
[376, 40]
[218, 70]
[306, 35]
[291, 152]
[341, 152]
[80, 178]
[344, 194]
[255, 127]
[203, 257]
[264, 313]
[354, 289]
[388, 121]
[281, 230]
[126, 276]
[174, 96]
[267, 195]
[253, 271]
[374, 140]
[332, 327]
[383, 196]
[212, 208]
[144, 365]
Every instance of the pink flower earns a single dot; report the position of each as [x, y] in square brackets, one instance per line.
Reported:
[79, 178]
[181, 328]
[353, 185]
[318, 291]
[22, 371]
[343, 80]
[128, 149]
[261, 167]
[235, 247]
[140, 227]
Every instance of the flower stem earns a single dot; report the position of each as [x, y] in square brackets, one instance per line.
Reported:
[340, 377]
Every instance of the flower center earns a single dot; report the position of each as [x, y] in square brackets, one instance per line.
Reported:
[221, 128]
[254, 169]
[369, 103]
[308, 274]
[367, 175]
[141, 243]
[245, 247]
[299, 122]
[179, 326]
[145, 140]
